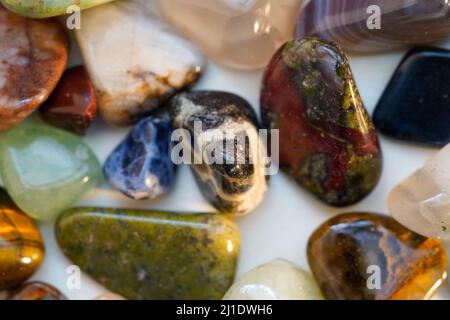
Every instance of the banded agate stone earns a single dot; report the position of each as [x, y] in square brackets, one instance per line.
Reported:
[366, 256]
[328, 143]
[22, 248]
[366, 26]
[151, 254]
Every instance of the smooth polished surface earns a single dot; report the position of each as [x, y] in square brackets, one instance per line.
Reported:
[238, 34]
[233, 179]
[328, 143]
[46, 170]
[276, 280]
[33, 55]
[21, 245]
[141, 166]
[368, 26]
[415, 104]
[366, 256]
[35, 291]
[73, 105]
[135, 60]
[151, 254]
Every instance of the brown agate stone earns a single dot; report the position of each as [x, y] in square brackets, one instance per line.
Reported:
[21, 246]
[349, 252]
[33, 55]
[35, 291]
[72, 106]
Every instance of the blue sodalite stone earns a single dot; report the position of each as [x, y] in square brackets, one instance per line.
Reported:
[141, 167]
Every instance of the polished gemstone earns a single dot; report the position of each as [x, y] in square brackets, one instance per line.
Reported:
[46, 170]
[35, 291]
[328, 143]
[110, 296]
[152, 254]
[365, 26]
[277, 280]
[421, 202]
[223, 147]
[141, 166]
[33, 55]
[372, 257]
[236, 33]
[134, 59]
[415, 104]
[72, 106]
[48, 8]
[21, 246]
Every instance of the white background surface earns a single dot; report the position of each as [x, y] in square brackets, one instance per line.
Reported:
[281, 226]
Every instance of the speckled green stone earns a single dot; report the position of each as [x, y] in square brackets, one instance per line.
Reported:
[150, 254]
[48, 8]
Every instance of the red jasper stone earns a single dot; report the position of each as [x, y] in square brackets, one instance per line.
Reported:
[73, 105]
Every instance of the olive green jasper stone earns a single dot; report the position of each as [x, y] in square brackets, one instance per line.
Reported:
[48, 8]
[151, 254]
[46, 170]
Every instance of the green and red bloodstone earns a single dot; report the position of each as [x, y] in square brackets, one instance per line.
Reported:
[327, 143]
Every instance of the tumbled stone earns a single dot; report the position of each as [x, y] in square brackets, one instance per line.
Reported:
[141, 166]
[33, 55]
[45, 170]
[239, 34]
[110, 296]
[372, 257]
[21, 246]
[366, 26]
[421, 201]
[328, 143]
[415, 104]
[72, 105]
[151, 254]
[226, 153]
[277, 280]
[134, 59]
[48, 8]
[35, 291]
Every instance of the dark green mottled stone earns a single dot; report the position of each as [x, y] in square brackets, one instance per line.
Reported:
[152, 255]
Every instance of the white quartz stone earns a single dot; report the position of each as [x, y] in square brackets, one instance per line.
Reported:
[277, 280]
[135, 60]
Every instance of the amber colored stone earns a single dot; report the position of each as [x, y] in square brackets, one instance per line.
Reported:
[35, 291]
[72, 105]
[21, 246]
[349, 252]
[33, 56]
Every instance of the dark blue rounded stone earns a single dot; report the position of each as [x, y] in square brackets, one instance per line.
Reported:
[141, 166]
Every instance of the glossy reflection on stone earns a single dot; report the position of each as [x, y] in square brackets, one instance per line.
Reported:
[236, 33]
[141, 166]
[48, 8]
[365, 26]
[35, 291]
[224, 149]
[33, 55]
[415, 104]
[277, 280]
[421, 201]
[73, 105]
[45, 170]
[135, 60]
[21, 246]
[150, 254]
[372, 257]
[328, 143]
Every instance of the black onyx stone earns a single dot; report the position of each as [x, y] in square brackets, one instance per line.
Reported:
[415, 106]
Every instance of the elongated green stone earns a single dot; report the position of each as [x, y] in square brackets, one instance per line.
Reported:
[48, 8]
[151, 254]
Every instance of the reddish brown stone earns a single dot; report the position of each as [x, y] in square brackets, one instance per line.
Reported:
[35, 291]
[72, 106]
[33, 56]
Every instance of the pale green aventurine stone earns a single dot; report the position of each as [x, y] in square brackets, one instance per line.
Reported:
[46, 170]
[48, 8]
